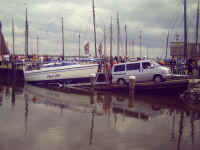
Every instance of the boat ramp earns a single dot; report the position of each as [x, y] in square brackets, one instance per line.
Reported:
[171, 86]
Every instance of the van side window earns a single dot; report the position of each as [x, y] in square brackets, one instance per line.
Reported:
[135, 66]
[146, 65]
[119, 68]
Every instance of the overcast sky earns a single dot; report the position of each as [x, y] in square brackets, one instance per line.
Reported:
[154, 18]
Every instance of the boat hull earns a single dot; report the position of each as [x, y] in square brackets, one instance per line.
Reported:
[67, 74]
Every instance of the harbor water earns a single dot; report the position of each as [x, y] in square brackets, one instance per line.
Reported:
[34, 118]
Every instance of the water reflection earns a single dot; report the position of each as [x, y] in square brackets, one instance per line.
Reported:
[92, 119]
[112, 113]
[26, 110]
[173, 138]
[13, 96]
[1, 94]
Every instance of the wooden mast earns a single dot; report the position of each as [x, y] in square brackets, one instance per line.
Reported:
[94, 22]
[118, 35]
[140, 37]
[79, 43]
[133, 49]
[111, 38]
[13, 36]
[197, 26]
[37, 38]
[26, 35]
[63, 46]
[104, 41]
[126, 53]
[185, 30]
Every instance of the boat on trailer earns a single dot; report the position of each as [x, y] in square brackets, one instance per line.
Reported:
[59, 72]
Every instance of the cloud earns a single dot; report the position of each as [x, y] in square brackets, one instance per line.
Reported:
[155, 18]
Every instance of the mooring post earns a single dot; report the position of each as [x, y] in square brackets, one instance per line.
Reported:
[13, 72]
[132, 85]
[92, 80]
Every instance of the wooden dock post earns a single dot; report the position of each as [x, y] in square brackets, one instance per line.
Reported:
[13, 72]
[132, 85]
[92, 80]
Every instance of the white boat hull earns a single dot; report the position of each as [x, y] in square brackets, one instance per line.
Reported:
[61, 74]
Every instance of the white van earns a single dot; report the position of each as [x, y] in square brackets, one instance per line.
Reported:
[144, 70]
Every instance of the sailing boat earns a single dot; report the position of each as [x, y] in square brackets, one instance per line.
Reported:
[59, 71]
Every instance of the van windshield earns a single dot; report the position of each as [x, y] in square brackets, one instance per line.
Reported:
[155, 64]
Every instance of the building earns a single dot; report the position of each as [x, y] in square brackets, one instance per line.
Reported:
[177, 50]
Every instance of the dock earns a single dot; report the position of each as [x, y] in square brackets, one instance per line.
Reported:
[167, 87]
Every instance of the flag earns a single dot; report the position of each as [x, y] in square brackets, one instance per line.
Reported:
[86, 48]
[100, 49]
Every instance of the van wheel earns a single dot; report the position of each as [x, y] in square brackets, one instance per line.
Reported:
[157, 78]
[121, 82]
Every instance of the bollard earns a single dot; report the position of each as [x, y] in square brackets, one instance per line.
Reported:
[132, 85]
[92, 80]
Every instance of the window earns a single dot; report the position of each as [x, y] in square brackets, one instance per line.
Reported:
[119, 68]
[135, 66]
[146, 65]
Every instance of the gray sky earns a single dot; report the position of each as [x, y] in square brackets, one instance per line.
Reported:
[153, 17]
